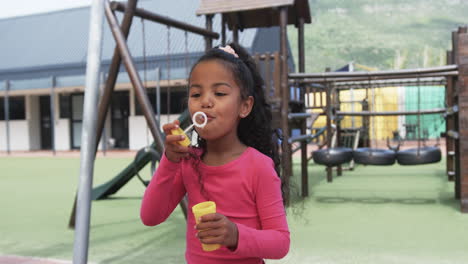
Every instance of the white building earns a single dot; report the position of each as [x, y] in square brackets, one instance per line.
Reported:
[43, 57]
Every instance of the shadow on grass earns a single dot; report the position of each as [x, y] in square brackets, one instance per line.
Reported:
[375, 200]
[120, 198]
[433, 174]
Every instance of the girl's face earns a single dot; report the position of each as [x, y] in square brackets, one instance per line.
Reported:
[214, 91]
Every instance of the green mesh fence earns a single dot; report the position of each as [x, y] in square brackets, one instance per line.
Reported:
[430, 97]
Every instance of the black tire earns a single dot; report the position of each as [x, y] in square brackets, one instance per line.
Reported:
[333, 156]
[373, 156]
[426, 155]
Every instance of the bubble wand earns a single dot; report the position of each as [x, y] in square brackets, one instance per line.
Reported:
[199, 119]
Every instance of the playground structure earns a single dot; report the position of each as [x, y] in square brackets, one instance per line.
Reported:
[453, 77]
[292, 106]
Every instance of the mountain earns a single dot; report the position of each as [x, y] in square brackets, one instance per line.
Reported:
[384, 34]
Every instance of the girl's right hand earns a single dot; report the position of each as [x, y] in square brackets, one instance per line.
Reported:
[174, 151]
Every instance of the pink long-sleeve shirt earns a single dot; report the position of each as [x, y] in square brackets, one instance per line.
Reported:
[246, 190]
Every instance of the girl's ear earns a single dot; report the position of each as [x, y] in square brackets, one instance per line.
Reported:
[246, 107]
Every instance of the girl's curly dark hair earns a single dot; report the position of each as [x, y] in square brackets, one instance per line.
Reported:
[256, 129]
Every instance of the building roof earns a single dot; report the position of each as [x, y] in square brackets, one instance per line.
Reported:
[259, 13]
[226, 6]
[36, 47]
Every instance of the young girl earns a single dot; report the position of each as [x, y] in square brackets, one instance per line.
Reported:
[233, 166]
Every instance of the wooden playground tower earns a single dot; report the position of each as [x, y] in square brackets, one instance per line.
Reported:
[457, 123]
[455, 78]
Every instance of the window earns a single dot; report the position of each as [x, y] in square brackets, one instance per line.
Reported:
[178, 102]
[64, 106]
[16, 108]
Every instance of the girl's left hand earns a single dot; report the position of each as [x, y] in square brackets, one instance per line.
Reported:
[217, 229]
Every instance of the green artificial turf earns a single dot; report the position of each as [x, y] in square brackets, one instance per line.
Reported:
[373, 214]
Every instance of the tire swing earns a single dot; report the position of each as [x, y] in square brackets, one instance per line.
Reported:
[419, 155]
[332, 156]
[374, 156]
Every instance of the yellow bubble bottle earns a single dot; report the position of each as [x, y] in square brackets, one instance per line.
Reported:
[201, 209]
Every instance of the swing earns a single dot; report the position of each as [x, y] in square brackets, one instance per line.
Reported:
[374, 156]
[148, 152]
[332, 156]
[416, 156]
[419, 155]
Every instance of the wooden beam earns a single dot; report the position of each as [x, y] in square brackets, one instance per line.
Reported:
[304, 158]
[450, 124]
[375, 74]
[286, 147]
[455, 98]
[392, 113]
[462, 61]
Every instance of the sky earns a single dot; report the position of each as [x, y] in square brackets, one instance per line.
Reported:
[12, 8]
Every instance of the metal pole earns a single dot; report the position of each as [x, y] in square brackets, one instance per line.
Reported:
[6, 112]
[52, 115]
[135, 78]
[158, 94]
[104, 130]
[88, 137]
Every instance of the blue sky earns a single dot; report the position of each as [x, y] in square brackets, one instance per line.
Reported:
[26, 7]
